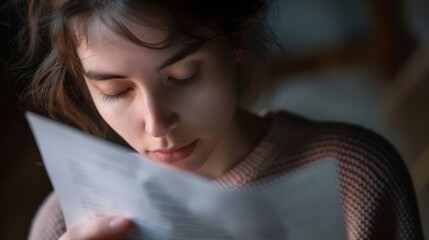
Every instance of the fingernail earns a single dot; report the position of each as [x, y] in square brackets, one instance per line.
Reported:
[118, 222]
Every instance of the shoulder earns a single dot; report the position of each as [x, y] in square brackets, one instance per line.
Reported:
[296, 142]
[360, 153]
[48, 223]
[376, 188]
[315, 139]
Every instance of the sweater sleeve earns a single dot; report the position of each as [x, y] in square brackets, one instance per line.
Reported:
[48, 223]
[380, 201]
[377, 194]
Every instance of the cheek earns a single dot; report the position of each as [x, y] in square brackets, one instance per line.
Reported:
[102, 109]
[117, 116]
[125, 122]
[210, 110]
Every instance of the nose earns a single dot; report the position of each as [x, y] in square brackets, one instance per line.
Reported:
[159, 116]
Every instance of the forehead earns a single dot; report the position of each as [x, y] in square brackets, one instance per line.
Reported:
[99, 33]
[105, 50]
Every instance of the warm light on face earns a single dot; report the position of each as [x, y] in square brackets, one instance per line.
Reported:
[173, 105]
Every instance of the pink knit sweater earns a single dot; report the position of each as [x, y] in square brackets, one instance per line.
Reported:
[376, 189]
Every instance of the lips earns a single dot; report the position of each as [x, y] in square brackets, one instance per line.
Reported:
[175, 154]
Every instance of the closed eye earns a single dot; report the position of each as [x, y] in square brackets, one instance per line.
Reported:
[184, 81]
[107, 98]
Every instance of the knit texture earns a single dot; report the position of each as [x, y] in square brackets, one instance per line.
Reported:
[376, 191]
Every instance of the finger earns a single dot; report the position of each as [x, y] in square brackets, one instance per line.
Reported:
[98, 228]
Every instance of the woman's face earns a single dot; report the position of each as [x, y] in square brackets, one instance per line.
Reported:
[176, 106]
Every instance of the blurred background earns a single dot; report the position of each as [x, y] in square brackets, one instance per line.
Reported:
[358, 61]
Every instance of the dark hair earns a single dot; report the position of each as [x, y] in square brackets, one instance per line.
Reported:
[54, 29]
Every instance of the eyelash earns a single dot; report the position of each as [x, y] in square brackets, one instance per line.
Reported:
[186, 81]
[111, 98]
[179, 82]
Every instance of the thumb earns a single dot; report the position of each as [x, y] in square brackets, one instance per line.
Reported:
[98, 228]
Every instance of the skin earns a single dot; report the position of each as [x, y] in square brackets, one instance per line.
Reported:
[192, 101]
[105, 227]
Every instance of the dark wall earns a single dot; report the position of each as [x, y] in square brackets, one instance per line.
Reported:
[23, 181]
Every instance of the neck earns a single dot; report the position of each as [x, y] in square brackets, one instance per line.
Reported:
[244, 133]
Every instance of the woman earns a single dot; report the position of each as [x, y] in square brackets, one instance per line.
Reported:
[167, 76]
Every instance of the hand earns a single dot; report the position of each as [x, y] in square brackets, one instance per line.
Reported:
[98, 228]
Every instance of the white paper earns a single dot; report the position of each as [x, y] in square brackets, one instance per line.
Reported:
[94, 177]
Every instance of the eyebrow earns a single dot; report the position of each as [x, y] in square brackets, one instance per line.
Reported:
[99, 76]
[182, 54]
